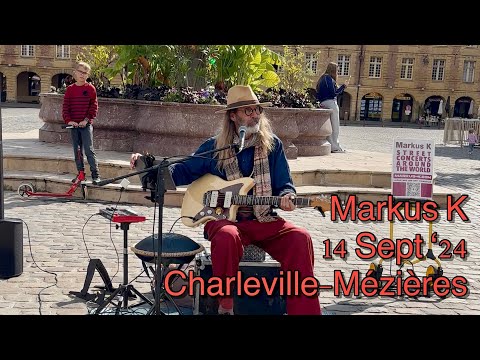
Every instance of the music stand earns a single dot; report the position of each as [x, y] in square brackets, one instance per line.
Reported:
[163, 178]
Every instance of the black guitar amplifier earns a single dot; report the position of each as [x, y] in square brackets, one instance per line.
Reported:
[261, 304]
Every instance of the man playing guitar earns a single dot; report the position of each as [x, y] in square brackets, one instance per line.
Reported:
[261, 157]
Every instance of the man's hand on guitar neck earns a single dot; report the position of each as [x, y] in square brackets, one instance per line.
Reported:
[286, 204]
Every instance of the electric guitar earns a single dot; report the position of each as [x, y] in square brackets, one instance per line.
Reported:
[212, 198]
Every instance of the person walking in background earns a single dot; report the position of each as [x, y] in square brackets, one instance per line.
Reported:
[472, 140]
[80, 107]
[327, 92]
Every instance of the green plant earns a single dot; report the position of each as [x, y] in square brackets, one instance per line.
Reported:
[155, 65]
[190, 65]
[100, 58]
[195, 66]
[252, 65]
[295, 75]
[136, 64]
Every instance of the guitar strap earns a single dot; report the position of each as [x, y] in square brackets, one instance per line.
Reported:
[261, 176]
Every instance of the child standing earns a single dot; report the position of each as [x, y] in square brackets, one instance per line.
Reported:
[472, 140]
[80, 107]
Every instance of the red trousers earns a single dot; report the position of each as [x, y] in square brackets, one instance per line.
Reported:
[288, 244]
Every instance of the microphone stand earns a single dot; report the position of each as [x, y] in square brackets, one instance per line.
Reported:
[159, 198]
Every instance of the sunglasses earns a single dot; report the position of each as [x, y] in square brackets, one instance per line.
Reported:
[249, 111]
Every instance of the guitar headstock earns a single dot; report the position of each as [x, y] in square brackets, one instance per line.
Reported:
[321, 203]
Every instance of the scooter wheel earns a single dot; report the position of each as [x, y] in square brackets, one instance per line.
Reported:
[25, 190]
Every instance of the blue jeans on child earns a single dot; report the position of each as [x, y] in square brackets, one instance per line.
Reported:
[470, 147]
[84, 138]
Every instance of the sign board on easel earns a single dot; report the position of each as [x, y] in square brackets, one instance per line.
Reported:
[412, 169]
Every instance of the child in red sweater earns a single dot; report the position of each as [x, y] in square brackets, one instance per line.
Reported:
[80, 107]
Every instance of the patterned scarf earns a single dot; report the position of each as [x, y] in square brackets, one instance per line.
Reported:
[261, 177]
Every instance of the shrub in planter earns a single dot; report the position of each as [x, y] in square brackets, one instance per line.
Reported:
[278, 98]
[288, 99]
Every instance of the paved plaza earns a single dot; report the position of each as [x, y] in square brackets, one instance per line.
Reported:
[61, 235]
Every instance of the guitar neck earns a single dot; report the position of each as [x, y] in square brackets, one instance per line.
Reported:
[267, 200]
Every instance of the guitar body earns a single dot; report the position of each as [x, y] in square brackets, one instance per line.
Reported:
[206, 197]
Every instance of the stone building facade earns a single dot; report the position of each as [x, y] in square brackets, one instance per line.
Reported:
[28, 70]
[401, 83]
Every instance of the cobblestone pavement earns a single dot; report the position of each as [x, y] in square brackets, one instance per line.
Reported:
[59, 233]
[17, 120]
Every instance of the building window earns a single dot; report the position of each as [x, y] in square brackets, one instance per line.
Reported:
[438, 69]
[375, 67]
[311, 61]
[468, 71]
[406, 72]
[27, 50]
[63, 51]
[343, 62]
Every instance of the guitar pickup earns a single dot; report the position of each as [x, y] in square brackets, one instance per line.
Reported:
[213, 199]
[228, 200]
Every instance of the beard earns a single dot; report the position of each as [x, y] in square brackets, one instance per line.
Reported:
[253, 129]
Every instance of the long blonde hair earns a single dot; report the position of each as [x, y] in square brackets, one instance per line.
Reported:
[330, 70]
[227, 134]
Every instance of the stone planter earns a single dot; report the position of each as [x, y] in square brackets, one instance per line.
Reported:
[314, 126]
[114, 128]
[168, 129]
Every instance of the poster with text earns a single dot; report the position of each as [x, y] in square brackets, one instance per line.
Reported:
[412, 169]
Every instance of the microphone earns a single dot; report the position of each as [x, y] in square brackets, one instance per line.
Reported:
[242, 131]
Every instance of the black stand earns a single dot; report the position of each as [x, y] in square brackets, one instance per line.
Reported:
[125, 290]
[160, 198]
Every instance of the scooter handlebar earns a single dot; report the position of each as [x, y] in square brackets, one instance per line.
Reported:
[65, 126]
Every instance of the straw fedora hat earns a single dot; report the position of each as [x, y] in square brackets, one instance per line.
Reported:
[239, 96]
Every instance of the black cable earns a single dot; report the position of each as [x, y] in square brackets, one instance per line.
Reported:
[111, 238]
[154, 217]
[153, 246]
[83, 235]
[46, 271]
[181, 217]
[136, 277]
